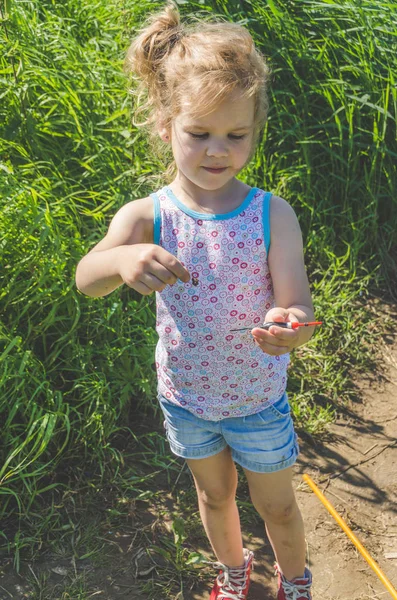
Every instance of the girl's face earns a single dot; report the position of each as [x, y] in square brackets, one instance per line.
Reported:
[209, 151]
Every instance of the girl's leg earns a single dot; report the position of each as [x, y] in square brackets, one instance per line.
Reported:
[273, 497]
[216, 482]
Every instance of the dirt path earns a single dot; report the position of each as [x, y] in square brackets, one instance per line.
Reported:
[355, 466]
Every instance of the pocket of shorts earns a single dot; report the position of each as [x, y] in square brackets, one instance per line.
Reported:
[280, 409]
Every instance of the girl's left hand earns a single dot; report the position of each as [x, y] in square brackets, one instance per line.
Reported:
[277, 340]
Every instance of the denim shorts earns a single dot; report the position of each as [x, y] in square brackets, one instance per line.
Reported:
[264, 442]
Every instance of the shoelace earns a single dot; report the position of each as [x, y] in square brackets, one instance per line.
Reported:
[296, 591]
[232, 582]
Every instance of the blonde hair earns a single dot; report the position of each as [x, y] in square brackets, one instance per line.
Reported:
[204, 61]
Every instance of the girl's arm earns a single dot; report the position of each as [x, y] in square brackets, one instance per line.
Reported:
[291, 287]
[128, 255]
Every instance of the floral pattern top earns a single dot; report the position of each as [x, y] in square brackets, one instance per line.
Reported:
[202, 364]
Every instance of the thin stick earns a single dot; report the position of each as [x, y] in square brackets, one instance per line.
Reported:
[351, 535]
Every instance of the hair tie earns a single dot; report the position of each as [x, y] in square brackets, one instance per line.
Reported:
[176, 37]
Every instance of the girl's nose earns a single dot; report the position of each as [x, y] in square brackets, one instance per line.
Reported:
[217, 149]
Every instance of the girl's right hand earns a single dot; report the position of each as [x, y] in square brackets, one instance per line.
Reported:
[149, 268]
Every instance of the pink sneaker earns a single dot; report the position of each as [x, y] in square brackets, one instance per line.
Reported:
[297, 589]
[233, 584]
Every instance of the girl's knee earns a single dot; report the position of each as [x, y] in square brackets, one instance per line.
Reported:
[272, 495]
[216, 496]
[215, 479]
[279, 512]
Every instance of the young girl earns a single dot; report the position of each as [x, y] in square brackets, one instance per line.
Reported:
[222, 257]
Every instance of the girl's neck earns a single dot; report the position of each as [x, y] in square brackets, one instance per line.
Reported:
[219, 201]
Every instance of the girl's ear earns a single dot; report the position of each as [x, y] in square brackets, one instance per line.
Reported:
[164, 134]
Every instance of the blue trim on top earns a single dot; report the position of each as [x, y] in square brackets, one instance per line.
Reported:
[266, 220]
[207, 216]
[156, 219]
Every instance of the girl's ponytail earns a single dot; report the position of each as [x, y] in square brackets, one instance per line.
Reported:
[149, 51]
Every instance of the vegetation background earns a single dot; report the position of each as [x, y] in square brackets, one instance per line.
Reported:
[76, 374]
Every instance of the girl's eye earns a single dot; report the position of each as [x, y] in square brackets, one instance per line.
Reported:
[202, 136]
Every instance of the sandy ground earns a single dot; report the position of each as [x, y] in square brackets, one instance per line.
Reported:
[356, 468]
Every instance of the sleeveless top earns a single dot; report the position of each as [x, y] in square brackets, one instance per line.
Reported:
[202, 365]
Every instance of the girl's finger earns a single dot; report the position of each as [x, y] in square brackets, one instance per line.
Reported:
[140, 287]
[153, 282]
[283, 334]
[157, 270]
[275, 333]
[273, 350]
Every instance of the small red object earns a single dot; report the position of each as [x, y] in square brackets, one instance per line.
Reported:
[288, 325]
[309, 324]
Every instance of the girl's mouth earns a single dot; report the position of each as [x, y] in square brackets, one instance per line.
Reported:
[215, 170]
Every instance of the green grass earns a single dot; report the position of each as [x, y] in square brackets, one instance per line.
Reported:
[71, 366]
